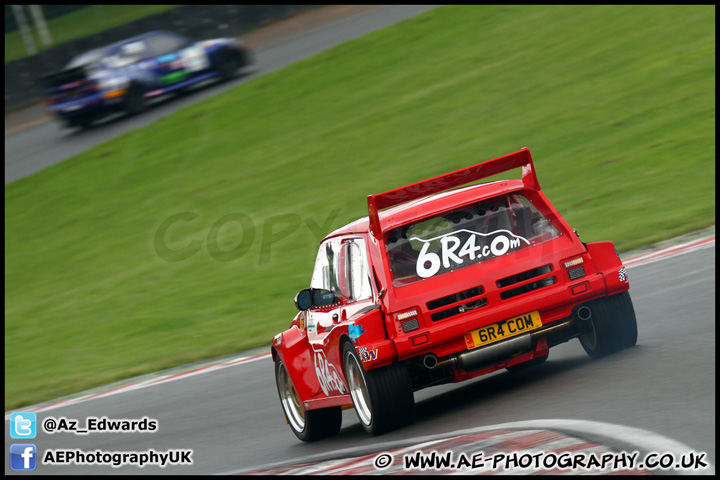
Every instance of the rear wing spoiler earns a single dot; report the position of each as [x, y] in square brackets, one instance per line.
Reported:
[450, 180]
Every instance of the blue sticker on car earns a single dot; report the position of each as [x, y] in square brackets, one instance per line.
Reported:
[355, 331]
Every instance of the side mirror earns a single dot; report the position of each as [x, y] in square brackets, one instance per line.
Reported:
[322, 297]
[314, 297]
[303, 300]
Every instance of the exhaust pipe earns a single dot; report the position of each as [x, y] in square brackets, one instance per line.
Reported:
[476, 359]
[430, 361]
[583, 313]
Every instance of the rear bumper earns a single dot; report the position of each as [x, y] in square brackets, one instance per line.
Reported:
[555, 303]
[85, 105]
[472, 360]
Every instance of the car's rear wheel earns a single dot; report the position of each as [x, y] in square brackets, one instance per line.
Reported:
[80, 121]
[308, 425]
[612, 327]
[135, 101]
[383, 397]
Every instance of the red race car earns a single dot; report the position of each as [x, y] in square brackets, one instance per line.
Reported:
[441, 284]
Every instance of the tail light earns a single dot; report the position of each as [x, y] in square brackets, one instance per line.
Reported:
[575, 268]
[408, 321]
[405, 315]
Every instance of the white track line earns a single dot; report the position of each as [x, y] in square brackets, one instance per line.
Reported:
[668, 252]
[139, 385]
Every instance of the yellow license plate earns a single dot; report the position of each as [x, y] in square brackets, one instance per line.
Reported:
[502, 330]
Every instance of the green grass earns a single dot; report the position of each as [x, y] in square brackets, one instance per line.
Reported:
[616, 103]
[77, 24]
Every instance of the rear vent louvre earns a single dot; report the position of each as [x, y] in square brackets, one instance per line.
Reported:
[513, 292]
[455, 297]
[459, 309]
[410, 325]
[521, 277]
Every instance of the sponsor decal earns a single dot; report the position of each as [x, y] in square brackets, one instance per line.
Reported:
[312, 329]
[355, 331]
[168, 58]
[327, 374]
[194, 59]
[367, 355]
[174, 77]
[453, 252]
[622, 274]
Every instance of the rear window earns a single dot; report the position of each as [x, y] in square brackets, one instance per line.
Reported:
[86, 59]
[465, 236]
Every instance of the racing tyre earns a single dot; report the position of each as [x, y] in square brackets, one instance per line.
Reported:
[229, 64]
[81, 122]
[613, 326]
[525, 365]
[135, 101]
[383, 397]
[309, 425]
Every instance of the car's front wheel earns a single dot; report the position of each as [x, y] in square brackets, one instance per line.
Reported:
[612, 326]
[383, 397]
[229, 63]
[308, 425]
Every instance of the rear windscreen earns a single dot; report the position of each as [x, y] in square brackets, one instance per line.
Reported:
[88, 58]
[465, 236]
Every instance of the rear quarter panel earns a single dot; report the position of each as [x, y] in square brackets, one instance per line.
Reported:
[608, 262]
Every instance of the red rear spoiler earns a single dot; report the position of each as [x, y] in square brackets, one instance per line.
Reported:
[454, 179]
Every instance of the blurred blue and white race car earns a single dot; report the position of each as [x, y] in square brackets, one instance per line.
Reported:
[124, 76]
